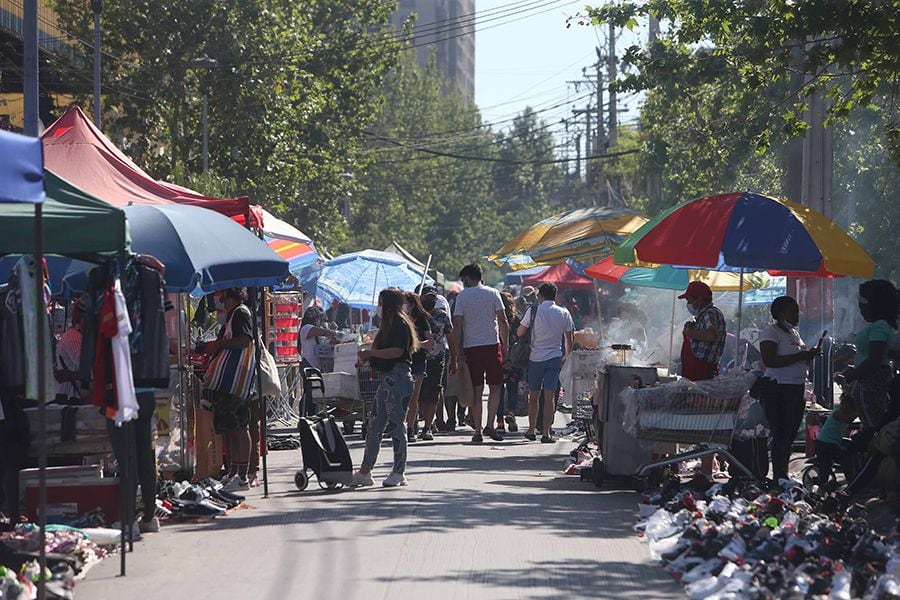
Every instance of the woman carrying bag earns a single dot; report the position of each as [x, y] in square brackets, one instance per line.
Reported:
[391, 357]
[229, 383]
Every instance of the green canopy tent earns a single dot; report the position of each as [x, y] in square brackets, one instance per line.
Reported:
[74, 223]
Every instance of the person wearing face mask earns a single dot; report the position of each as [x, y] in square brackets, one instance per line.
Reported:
[704, 337]
[786, 359]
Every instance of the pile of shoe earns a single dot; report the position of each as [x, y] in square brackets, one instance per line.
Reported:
[23, 584]
[749, 540]
[185, 500]
[581, 458]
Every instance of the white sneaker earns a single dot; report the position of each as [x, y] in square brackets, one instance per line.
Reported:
[394, 480]
[362, 479]
[151, 526]
[236, 484]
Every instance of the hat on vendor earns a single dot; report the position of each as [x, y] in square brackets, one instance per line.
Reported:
[528, 292]
[697, 289]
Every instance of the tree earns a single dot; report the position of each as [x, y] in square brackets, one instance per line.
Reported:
[848, 49]
[295, 88]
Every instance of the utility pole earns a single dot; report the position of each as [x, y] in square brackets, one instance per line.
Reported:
[30, 59]
[615, 193]
[578, 156]
[97, 7]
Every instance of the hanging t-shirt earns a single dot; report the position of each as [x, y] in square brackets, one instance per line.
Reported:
[789, 342]
[309, 347]
[879, 331]
[121, 351]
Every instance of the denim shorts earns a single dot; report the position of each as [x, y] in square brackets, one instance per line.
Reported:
[544, 374]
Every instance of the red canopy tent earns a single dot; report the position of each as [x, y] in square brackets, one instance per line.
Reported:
[78, 152]
[563, 276]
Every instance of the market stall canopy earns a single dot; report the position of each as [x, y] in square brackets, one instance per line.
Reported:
[79, 152]
[664, 277]
[22, 173]
[746, 231]
[75, 223]
[358, 277]
[395, 248]
[563, 276]
[202, 249]
[516, 277]
[583, 234]
[289, 242]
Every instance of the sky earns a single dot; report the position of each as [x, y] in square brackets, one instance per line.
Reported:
[525, 55]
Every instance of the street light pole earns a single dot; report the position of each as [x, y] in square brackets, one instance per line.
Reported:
[207, 64]
[97, 7]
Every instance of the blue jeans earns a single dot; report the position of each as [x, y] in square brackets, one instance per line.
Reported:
[391, 404]
[544, 374]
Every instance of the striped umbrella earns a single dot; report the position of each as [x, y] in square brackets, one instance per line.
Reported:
[289, 242]
[583, 234]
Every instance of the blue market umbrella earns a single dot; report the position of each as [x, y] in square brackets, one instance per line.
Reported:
[202, 248]
[66, 275]
[356, 278]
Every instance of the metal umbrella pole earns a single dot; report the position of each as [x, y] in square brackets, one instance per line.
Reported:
[672, 330]
[737, 344]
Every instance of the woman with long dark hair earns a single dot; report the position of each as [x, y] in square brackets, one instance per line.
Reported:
[391, 357]
[419, 317]
[870, 376]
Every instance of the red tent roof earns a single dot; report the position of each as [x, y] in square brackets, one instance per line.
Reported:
[563, 276]
[78, 152]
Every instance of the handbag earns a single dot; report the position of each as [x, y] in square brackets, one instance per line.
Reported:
[232, 371]
[270, 383]
[763, 387]
[520, 352]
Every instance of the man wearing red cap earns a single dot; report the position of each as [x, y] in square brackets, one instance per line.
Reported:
[704, 337]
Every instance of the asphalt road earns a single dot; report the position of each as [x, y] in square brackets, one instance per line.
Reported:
[492, 521]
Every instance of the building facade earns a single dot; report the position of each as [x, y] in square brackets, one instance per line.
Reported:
[444, 29]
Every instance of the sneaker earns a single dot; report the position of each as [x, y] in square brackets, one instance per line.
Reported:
[529, 435]
[511, 424]
[151, 526]
[493, 434]
[547, 439]
[362, 480]
[237, 484]
[477, 438]
[440, 425]
[426, 435]
[450, 425]
[501, 426]
[394, 480]
[410, 435]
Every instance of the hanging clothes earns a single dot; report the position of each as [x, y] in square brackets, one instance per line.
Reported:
[12, 344]
[121, 349]
[145, 296]
[113, 385]
[27, 278]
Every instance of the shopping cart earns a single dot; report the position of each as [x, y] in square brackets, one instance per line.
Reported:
[703, 414]
[368, 385]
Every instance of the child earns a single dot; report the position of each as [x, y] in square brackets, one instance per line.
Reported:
[829, 449]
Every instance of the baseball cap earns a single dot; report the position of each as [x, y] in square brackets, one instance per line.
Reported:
[697, 289]
[429, 290]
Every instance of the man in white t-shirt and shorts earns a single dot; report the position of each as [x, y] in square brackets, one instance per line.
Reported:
[480, 328]
[552, 338]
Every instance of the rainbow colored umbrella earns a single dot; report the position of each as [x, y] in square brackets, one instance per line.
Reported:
[583, 234]
[288, 242]
[665, 277]
[746, 232]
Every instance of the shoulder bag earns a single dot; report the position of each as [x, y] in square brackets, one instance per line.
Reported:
[520, 353]
[232, 371]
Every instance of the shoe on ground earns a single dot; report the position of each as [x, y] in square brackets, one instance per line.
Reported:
[450, 425]
[548, 439]
[410, 435]
[511, 424]
[440, 425]
[477, 438]
[394, 480]
[362, 480]
[151, 526]
[501, 426]
[493, 434]
[237, 484]
[254, 480]
[529, 435]
[426, 435]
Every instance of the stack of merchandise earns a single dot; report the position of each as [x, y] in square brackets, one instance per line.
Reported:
[746, 540]
[185, 500]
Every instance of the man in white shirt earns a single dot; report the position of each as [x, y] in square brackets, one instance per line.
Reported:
[551, 328]
[481, 329]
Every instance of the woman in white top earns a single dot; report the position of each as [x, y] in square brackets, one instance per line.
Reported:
[786, 359]
[310, 330]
